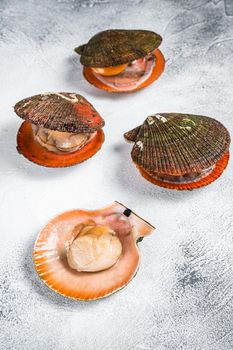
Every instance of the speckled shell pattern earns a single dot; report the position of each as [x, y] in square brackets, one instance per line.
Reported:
[176, 144]
[67, 112]
[114, 47]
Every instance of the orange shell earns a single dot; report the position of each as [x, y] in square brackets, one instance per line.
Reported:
[217, 171]
[32, 150]
[51, 262]
[157, 71]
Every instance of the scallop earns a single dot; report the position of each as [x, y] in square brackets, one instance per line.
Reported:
[60, 129]
[180, 151]
[87, 255]
[119, 60]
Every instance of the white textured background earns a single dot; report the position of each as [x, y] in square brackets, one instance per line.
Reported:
[182, 296]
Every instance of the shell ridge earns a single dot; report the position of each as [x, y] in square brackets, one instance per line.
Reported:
[191, 150]
[212, 148]
[168, 149]
[136, 144]
[188, 154]
[180, 161]
[179, 143]
[58, 111]
[161, 126]
[194, 149]
[151, 145]
[39, 110]
[114, 47]
[161, 159]
[201, 151]
[64, 111]
[56, 114]
[131, 135]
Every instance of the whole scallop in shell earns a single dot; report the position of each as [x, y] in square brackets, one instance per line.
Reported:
[180, 151]
[122, 60]
[69, 115]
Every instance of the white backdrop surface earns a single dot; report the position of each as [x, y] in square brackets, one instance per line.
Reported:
[182, 295]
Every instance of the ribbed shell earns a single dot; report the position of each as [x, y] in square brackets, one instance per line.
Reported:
[131, 135]
[114, 47]
[68, 112]
[172, 143]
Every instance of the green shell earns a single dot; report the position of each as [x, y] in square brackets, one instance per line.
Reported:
[175, 144]
[114, 47]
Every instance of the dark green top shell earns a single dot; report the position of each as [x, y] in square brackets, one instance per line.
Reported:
[117, 46]
[61, 111]
[176, 144]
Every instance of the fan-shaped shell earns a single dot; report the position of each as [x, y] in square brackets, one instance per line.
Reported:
[117, 46]
[68, 112]
[172, 143]
[53, 241]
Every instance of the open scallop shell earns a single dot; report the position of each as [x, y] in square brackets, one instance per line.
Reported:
[63, 112]
[117, 46]
[53, 241]
[178, 144]
[118, 84]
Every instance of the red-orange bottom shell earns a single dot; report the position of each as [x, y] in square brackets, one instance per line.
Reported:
[154, 75]
[216, 173]
[32, 150]
[51, 261]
